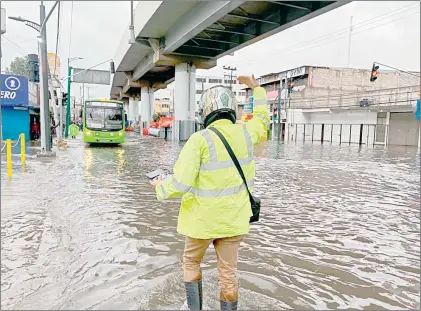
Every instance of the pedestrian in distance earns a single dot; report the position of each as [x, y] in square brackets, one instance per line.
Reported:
[216, 192]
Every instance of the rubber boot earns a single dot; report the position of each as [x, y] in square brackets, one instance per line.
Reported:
[228, 305]
[194, 295]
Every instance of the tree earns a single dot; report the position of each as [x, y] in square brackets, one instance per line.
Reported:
[19, 66]
[157, 116]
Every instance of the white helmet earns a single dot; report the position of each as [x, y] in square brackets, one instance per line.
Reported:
[217, 102]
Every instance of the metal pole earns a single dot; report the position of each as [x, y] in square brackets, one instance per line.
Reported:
[410, 73]
[285, 97]
[69, 81]
[349, 44]
[44, 106]
[350, 133]
[279, 109]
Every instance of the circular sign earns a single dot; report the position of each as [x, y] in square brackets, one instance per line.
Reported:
[12, 83]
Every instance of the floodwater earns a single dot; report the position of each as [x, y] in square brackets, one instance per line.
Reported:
[340, 229]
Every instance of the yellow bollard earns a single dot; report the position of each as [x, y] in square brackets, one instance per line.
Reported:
[9, 157]
[22, 148]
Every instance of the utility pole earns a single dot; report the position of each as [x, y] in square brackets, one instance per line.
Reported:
[349, 44]
[69, 86]
[229, 75]
[44, 105]
[44, 73]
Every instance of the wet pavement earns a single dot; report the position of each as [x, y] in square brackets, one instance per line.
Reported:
[340, 229]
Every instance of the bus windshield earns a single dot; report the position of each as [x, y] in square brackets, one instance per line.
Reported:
[104, 116]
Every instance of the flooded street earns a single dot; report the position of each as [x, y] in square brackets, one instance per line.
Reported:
[340, 229]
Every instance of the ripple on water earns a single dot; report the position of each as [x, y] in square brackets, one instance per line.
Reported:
[340, 229]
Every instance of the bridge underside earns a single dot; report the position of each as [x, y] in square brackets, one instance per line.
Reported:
[248, 23]
[206, 32]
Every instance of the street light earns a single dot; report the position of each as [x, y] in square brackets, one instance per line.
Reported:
[29, 23]
[69, 81]
[42, 47]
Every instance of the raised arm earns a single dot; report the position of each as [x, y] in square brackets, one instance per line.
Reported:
[258, 126]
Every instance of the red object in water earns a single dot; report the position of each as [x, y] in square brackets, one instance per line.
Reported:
[165, 122]
[249, 116]
[145, 131]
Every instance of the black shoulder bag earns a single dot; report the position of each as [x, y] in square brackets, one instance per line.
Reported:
[254, 202]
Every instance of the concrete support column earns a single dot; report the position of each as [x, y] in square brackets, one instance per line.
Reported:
[151, 103]
[126, 110]
[184, 101]
[146, 105]
[131, 114]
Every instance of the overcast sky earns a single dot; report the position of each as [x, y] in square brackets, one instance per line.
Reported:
[390, 35]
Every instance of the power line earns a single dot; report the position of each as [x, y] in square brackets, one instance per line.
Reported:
[71, 27]
[343, 31]
[15, 45]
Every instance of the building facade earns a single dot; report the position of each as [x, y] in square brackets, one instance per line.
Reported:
[205, 82]
[342, 104]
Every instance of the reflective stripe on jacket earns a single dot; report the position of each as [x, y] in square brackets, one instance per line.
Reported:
[215, 202]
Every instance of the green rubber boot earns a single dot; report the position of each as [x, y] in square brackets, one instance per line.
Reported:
[194, 295]
[228, 305]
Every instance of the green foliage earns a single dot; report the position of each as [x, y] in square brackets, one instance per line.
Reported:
[157, 116]
[19, 66]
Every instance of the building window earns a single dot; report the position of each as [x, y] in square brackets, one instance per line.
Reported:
[200, 79]
[199, 91]
[230, 81]
[215, 80]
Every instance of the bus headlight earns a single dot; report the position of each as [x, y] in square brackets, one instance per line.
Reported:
[120, 134]
[89, 133]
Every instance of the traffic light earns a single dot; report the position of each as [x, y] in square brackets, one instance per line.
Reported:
[290, 87]
[64, 98]
[112, 68]
[33, 68]
[374, 74]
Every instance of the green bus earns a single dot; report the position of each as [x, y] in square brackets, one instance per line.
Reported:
[103, 121]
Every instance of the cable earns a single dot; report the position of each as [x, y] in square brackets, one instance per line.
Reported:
[324, 43]
[344, 30]
[286, 52]
[19, 48]
[71, 27]
[322, 38]
[57, 37]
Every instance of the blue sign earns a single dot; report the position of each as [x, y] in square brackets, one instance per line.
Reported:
[14, 90]
[248, 108]
[418, 110]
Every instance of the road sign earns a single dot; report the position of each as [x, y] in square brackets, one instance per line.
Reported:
[418, 110]
[14, 90]
[91, 76]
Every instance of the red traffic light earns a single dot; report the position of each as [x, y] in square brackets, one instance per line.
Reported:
[374, 73]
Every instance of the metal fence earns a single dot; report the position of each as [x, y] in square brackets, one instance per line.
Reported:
[361, 134]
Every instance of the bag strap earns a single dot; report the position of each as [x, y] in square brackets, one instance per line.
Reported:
[234, 159]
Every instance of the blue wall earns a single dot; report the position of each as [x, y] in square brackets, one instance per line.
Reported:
[15, 122]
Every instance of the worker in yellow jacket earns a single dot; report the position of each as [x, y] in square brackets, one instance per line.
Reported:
[215, 205]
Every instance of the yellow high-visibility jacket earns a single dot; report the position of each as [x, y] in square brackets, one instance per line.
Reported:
[74, 130]
[215, 203]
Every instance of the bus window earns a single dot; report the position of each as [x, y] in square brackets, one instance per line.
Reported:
[104, 116]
